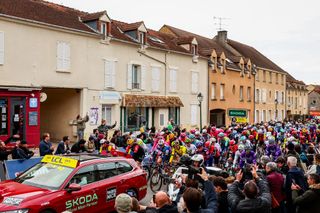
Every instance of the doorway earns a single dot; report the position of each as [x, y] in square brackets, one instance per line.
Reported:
[18, 116]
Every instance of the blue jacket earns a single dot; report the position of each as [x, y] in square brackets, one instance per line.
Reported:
[61, 150]
[44, 148]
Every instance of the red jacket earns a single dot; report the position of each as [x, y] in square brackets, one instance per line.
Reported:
[276, 183]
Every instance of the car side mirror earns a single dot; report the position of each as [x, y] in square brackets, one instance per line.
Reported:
[74, 187]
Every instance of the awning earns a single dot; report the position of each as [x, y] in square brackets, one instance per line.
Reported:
[151, 101]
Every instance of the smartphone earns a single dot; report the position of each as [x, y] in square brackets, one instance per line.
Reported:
[294, 182]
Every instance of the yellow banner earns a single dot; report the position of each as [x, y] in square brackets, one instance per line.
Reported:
[61, 161]
[241, 120]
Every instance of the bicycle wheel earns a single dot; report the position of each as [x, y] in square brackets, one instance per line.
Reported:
[155, 181]
[147, 169]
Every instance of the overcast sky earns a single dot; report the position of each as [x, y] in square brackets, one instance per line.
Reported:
[286, 31]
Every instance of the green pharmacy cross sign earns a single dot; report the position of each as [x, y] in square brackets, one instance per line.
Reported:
[237, 113]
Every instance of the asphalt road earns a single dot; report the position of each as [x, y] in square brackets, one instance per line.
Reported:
[146, 201]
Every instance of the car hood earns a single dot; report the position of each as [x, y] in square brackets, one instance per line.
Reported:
[14, 189]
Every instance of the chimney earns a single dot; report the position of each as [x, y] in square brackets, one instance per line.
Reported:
[222, 36]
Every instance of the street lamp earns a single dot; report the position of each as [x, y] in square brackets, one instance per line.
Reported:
[200, 99]
[276, 112]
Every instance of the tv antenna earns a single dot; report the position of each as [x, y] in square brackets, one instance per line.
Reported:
[219, 21]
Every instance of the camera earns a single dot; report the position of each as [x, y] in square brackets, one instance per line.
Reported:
[192, 171]
[246, 173]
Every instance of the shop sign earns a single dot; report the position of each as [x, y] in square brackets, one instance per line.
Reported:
[241, 120]
[237, 113]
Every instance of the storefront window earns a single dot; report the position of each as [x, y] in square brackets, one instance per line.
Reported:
[4, 116]
[136, 117]
[174, 113]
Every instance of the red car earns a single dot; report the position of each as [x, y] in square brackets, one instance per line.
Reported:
[79, 183]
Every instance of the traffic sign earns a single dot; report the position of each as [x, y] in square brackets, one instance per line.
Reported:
[237, 113]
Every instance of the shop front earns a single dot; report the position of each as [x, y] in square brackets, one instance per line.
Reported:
[149, 111]
[19, 113]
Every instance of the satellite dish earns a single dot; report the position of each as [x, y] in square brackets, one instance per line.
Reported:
[43, 97]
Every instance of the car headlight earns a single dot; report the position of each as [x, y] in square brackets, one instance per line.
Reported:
[17, 211]
[13, 201]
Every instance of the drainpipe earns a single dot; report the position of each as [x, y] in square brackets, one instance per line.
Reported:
[254, 93]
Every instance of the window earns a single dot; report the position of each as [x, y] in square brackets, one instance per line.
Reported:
[264, 76]
[277, 78]
[264, 95]
[249, 93]
[174, 113]
[194, 110]
[264, 115]
[257, 76]
[4, 116]
[109, 74]
[107, 170]
[282, 97]
[241, 93]
[123, 167]
[257, 96]
[233, 89]
[221, 91]
[1, 47]
[173, 80]
[194, 49]
[194, 82]
[136, 117]
[257, 120]
[270, 115]
[84, 176]
[63, 56]
[282, 114]
[104, 29]
[141, 37]
[161, 119]
[282, 79]
[276, 96]
[270, 77]
[106, 113]
[213, 91]
[136, 76]
[155, 79]
[296, 103]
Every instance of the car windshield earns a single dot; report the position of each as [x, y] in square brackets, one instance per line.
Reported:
[45, 175]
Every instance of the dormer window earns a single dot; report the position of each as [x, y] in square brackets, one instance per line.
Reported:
[194, 49]
[142, 39]
[104, 29]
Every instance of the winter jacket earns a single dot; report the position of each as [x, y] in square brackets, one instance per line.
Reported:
[295, 175]
[276, 183]
[261, 204]
[44, 148]
[81, 123]
[308, 201]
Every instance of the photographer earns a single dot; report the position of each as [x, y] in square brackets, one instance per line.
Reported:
[255, 196]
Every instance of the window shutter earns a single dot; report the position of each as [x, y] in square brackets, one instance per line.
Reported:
[173, 80]
[113, 74]
[59, 56]
[1, 47]
[155, 79]
[193, 114]
[107, 74]
[66, 56]
[194, 80]
[143, 77]
[129, 77]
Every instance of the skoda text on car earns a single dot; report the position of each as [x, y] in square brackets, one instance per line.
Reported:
[80, 183]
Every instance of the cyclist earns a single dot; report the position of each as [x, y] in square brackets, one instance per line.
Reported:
[177, 151]
[247, 157]
[213, 152]
[273, 150]
[191, 148]
[161, 152]
[237, 155]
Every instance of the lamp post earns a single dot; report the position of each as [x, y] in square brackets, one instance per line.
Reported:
[200, 99]
[276, 112]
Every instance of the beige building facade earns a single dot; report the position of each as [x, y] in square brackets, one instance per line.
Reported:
[103, 71]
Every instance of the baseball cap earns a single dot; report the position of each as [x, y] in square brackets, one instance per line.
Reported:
[123, 203]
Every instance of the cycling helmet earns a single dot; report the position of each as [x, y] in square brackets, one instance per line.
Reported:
[271, 140]
[232, 142]
[191, 136]
[207, 144]
[183, 135]
[175, 143]
[199, 144]
[241, 147]
[213, 140]
[204, 131]
[247, 147]
[198, 158]
[251, 137]
[188, 140]
[243, 138]
[221, 135]
[161, 142]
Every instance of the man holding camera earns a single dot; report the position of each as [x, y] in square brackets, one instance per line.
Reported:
[255, 197]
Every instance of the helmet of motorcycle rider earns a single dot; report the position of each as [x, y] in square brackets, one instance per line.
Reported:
[198, 158]
[199, 144]
[221, 135]
[161, 142]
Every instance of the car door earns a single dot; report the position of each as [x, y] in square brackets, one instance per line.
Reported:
[86, 199]
[109, 185]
